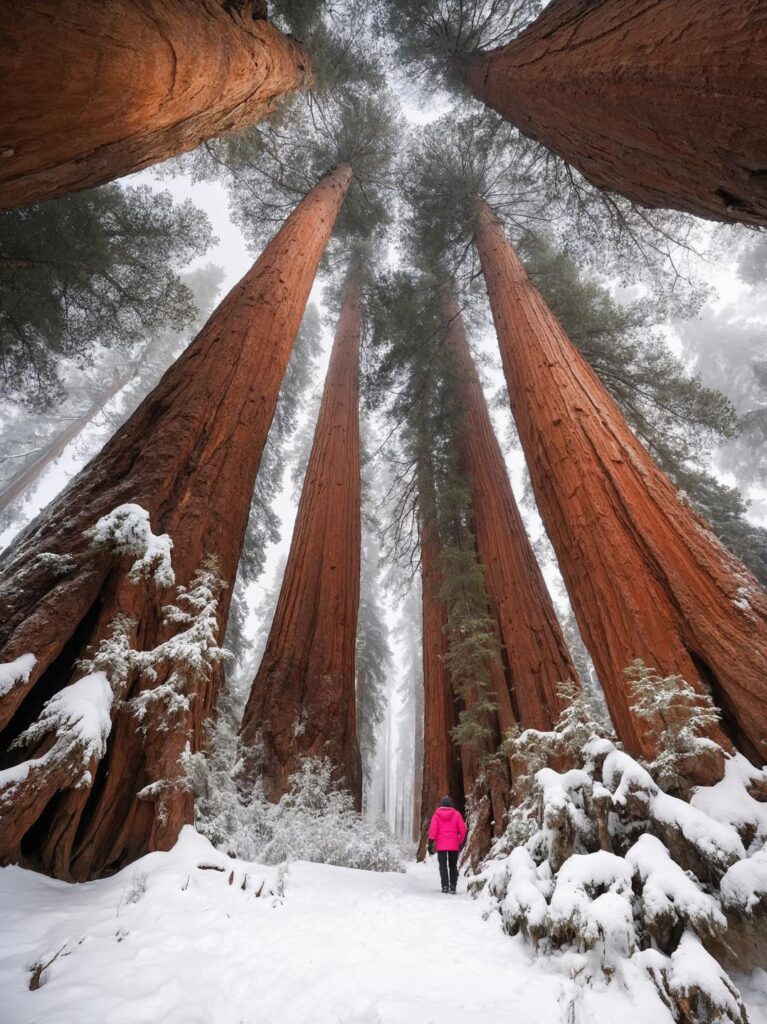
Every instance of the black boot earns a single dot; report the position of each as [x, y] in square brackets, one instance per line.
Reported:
[452, 889]
[445, 888]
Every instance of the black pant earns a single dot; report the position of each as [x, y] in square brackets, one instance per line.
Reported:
[445, 858]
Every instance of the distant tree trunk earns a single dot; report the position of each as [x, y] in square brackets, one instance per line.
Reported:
[28, 474]
[646, 576]
[92, 91]
[441, 762]
[302, 702]
[417, 763]
[535, 654]
[189, 456]
[662, 101]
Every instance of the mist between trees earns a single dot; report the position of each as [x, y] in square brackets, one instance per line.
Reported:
[512, 252]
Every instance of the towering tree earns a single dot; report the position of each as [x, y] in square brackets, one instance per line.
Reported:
[302, 702]
[442, 774]
[535, 655]
[93, 92]
[661, 102]
[89, 576]
[645, 575]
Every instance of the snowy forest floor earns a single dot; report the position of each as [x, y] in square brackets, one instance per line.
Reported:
[168, 940]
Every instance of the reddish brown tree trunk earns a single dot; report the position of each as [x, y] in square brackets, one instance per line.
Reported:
[302, 703]
[662, 101]
[188, 455]
[90, 90]
[487, 785]
[534, 651]
[441, 762]
[646, 576]
[417, 765]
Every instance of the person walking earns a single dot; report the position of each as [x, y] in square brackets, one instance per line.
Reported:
[447, 833]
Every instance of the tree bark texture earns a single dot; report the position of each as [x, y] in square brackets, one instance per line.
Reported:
[302, 702]
[646, 576]
[189, 455]
[535, 655]
[91, 90]
[442, 774]
[662, 101]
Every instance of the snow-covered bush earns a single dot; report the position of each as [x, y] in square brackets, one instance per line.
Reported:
[126, 530]
[78, 719]
[679, 717]
[599, 862]
[314, 821]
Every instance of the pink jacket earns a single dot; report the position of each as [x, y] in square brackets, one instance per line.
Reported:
[447, 829]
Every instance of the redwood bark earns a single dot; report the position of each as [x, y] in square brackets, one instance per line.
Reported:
[302, 702]
[646, 576]
[442, 775]
[662, 101]
[536, 657]
[91, 90]
[189, 455]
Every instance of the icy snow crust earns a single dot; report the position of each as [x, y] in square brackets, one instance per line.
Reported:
[14, 672]
[194, 937]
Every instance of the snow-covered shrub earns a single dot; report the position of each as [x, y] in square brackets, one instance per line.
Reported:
[600, 862]
[126, 530]
[679, 718]
[315, 820]
[187, 658]
[79, 720]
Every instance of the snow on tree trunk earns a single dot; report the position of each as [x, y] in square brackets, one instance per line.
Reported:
[302, 702]
[535, 654]
[92, 92]
[660, 101]
[441, 763]
[188, 458]
[645, 575]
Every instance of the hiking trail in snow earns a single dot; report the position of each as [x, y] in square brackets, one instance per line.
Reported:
[194, 937]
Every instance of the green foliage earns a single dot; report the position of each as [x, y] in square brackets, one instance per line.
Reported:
[463, 155]
[94, 267]
[679, 718]
[432, 37]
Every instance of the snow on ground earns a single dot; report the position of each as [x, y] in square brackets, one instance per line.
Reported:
[168, 941]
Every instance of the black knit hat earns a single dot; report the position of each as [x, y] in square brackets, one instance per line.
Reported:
[446, 802]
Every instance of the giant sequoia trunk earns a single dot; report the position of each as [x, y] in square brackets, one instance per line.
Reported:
[646, 576]
[189, 456]
[302, 703]
[662, 101]
[92, 91]
[535, 654]
[441, 762]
